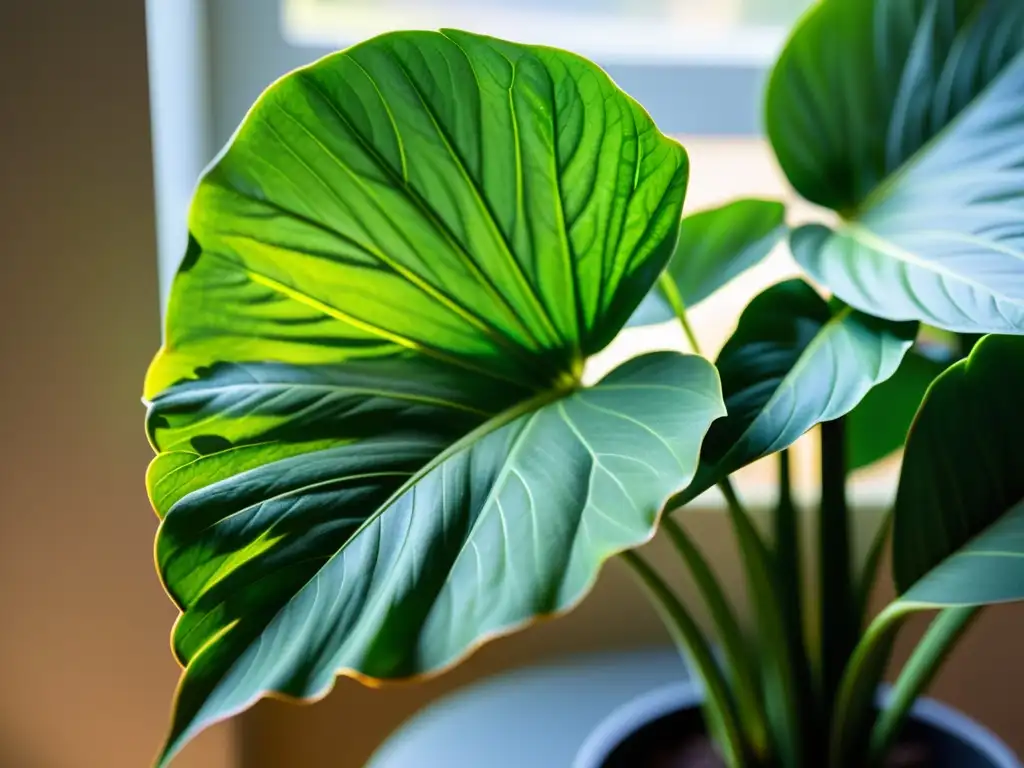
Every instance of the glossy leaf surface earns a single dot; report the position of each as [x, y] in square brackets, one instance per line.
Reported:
[305, 566]
[906, 118]
[374, 453]
[714, 247]
[793, 363]
[958, 536]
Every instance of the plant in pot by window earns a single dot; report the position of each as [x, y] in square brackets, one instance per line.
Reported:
[375, 451]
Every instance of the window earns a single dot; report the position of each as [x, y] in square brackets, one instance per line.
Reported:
[624, 31]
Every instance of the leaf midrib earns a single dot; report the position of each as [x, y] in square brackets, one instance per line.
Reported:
[488, 215]
[427, 287]
[502, 337]
[331, 311]
[803, 360]
[556, 173]
[493, 425]
[425, 209]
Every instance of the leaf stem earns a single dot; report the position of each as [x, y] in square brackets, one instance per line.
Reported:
[679, 307]
[787, 551]
[691, 642]
[855, 696]
[869, 575]
[787, 561]
[781, 700]
[917, 674]
[839, 612]
[731, 499]
[746, 686]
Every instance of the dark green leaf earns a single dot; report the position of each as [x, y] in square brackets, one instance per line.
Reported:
[374, 452]
[958, 536]
[714, 247]
[304, 567]
[791, 364]
[906, 118]
[878, 426]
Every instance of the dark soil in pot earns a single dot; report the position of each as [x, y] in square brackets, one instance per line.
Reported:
[679, 740]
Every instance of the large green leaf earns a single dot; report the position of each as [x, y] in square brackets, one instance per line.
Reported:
[292, 571]
[958, 535]
[374, 451]
[793, 363]
[498, 206]
[714, 247]
[906, 117]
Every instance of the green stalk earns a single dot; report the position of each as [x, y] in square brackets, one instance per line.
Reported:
[693, 645]
[871, 566]
[855, 697]
[917, 675]
[787, 551]
[781, 699]
[676, 302]
[839, 612]
[745, 685]
[790, 584]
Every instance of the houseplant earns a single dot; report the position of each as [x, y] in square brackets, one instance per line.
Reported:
[374, 447]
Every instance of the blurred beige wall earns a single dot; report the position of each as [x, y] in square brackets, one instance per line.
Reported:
[86, 674]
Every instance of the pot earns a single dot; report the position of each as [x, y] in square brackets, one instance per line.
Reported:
[538, 716]
[953, 740]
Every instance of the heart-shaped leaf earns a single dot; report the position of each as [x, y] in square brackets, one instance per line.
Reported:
[958, 536]
[291, 568]
[906, 118]
[714, 247]
[793, 363]
[374, 451]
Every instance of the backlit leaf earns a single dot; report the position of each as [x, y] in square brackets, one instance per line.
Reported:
[906, 118]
